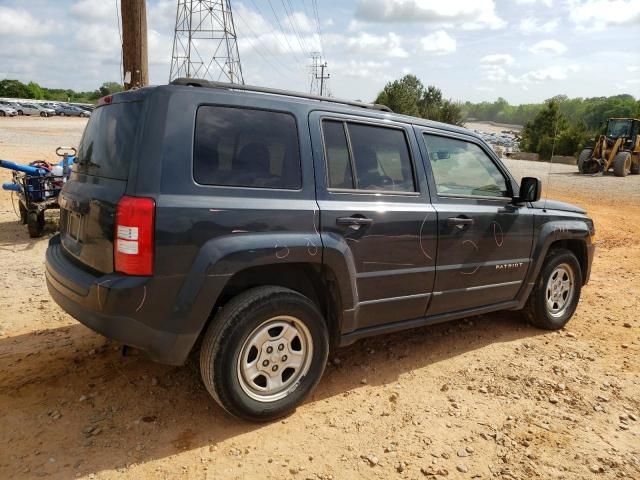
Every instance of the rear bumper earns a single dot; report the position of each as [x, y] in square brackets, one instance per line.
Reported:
[116, 306]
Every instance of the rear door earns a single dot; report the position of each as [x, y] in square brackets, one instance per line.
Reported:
[98, 181]
[484, 240]
[374, 207]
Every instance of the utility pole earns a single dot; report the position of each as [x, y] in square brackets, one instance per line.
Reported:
[135, 63]
[323, 77]
[318, 76]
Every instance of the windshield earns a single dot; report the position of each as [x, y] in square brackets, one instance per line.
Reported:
[619, 128]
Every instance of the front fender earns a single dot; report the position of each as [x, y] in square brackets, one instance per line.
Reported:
[545, 236]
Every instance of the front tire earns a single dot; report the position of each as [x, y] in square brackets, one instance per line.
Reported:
[264, 352]
[43, 114]
[622, 164]
[20, 112]
[556, 294]
[35, 223]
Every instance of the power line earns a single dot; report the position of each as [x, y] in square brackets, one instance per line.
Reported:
[295, 30]
[314, 5]
[259, 10]
[283, 31]
[258, 51]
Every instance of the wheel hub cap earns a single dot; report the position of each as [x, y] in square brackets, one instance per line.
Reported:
[559, 291]
[274, 358]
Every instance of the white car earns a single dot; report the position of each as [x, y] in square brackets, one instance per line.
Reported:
[35, 109]
[6, 111]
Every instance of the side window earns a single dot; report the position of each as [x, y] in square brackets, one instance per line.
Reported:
[462, 168]
[378, 156]
[337, 153]
[246, 148]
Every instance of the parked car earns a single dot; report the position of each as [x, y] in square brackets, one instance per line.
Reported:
[71, 111]
[6, 111]
[7, 103]
[86, 108]
[34, 109]
[274, 226]
[51, 105]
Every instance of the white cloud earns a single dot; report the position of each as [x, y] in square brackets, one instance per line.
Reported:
[547, 3]
[93, 10]
[439, 43]
[531, 25]
[20, 23]
[301, 22]
[548, 47]
[497, 59]
[389, 45]
[597, 14]
[559, 72]
[361, 69]
[472, 13]
[633, 68]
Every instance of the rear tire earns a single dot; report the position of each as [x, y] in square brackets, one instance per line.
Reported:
[264, 352]
[583, 157]
[20, 112]
[556, 294]
[635, 167]
[35, 224]
[43, 114]
[2, 114]
[622, 164]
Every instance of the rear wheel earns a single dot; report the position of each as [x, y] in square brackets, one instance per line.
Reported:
[2, 114]
[585, 155]
[43, 114]
[35, 224]
[555, 296]
[264, 352]
[635, 166]
[20, 112]
[622, 164]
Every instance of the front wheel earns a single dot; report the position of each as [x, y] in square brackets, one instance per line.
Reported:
[622, 164]
[43, 114]
[20, 112]
[264, 352]
[2, 114]
[35, 223]
[555, 296]
[583, 158]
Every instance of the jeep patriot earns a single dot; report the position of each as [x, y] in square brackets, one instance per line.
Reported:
[273, 226]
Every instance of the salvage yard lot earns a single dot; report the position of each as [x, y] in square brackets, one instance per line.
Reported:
[485, 397]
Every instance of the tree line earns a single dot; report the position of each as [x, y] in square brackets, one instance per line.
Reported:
[17, 89]
[560, 124]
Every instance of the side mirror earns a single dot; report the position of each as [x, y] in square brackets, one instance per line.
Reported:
[530, 190]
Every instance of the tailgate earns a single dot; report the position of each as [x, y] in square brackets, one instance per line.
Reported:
[99, 179]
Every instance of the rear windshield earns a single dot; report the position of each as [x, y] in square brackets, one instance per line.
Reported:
[107, 143]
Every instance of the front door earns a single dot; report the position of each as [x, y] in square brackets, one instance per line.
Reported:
[374, 207]
[484, 240]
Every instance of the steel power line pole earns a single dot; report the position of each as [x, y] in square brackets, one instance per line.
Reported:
[135, 63]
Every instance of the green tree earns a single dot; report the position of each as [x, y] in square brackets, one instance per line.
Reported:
[14, 89]
[539, 135]
[403, 96]
[35, 91]
[108, 88]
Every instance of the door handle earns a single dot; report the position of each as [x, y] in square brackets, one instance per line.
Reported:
[459, 222]
[354, 221]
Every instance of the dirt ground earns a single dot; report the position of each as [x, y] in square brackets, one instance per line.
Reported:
[485, 397]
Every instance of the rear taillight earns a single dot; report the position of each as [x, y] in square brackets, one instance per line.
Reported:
[133, 245]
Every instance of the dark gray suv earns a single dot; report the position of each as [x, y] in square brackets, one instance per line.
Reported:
[276, 226]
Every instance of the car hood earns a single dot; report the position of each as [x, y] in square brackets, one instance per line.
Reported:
[557, 205]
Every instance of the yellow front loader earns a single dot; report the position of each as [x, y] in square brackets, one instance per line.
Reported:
[619, 149]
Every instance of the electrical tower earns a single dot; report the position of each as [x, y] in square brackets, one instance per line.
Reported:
[205, 44]
[319, 84]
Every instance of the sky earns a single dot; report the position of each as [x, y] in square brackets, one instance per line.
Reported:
[522, 50]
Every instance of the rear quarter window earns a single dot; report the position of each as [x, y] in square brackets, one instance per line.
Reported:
[108, 141]
[243, 147]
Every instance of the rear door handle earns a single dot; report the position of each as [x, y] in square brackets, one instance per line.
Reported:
[459, 222]
[354, 221]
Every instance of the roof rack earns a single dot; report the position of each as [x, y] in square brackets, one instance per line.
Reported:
[195, 82]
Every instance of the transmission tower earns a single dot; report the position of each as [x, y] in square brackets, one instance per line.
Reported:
[319, 77]
[205, 44]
